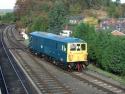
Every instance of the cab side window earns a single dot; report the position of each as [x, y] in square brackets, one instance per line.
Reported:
[83, 46]
[64, 48]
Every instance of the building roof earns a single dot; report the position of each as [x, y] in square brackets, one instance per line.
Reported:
[77, 17]
[117, 33]
[56, 37]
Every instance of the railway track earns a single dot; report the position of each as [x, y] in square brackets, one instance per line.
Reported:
[110, 88]
[95, 82]
[11, 76]
[103, 85]
[46, 82]
[2, 82]
[3, 88]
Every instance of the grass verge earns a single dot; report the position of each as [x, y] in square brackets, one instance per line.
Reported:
[120, 79]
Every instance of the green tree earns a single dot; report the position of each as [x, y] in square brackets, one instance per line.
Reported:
[8, 18]
[57, 17]
[112, 10]
[0, 18]
[39, 24]
[117, 58]
[107, 51]
[87, 33]
[118, 2]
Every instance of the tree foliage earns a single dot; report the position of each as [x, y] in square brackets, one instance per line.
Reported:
[106, 50]
[87, 32]
[38, 24]
[56, 10]
[57, 17]
[8, 18]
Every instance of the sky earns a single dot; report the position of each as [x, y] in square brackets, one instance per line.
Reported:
[122, 1]
[9, 4]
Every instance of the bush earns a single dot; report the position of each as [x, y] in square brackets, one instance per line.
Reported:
[107, 51]
[38, 24]
[57, 17]
[8, 18]
[87, 33]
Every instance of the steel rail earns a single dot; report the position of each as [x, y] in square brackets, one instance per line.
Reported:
[12, 63]
[4, 81]
[45, 86]
[74, 75]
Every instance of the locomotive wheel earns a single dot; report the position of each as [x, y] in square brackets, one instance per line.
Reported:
[79, 67]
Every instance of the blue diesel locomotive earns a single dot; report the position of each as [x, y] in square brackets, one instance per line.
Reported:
[69, 52]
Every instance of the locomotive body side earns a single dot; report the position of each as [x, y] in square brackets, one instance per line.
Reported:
[52, 48]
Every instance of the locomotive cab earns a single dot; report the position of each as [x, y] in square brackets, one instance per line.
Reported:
[77, 52]
[77, 56]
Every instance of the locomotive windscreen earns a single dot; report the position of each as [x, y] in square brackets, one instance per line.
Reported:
[77, 47]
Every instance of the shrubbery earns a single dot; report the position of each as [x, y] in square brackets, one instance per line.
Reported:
[8, 18]
[107, 51]
[38, 24]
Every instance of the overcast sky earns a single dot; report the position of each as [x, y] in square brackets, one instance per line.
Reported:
[9, 4]
[122, 1]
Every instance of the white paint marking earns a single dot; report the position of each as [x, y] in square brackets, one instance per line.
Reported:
[99, 82]
[118, 91]
[95, 80]
[109, 86]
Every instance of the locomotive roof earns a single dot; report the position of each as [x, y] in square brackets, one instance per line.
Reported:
[56, 37]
